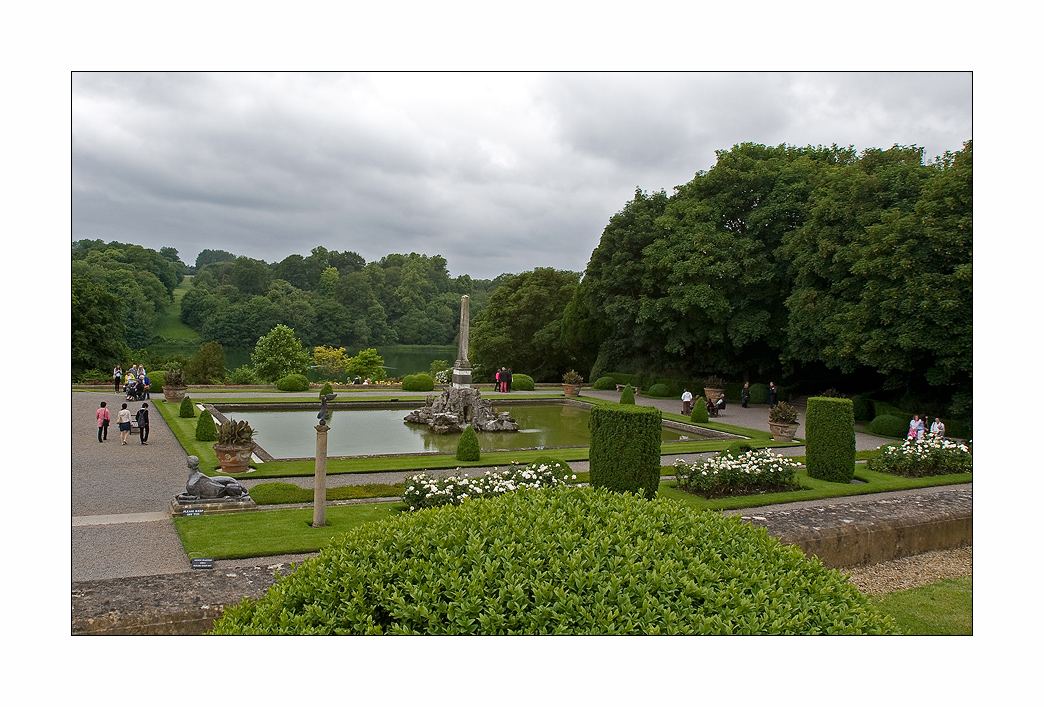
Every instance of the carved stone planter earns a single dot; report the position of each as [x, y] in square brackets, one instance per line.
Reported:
[783, 431]
[174, 394]
[713, 394]
[570, 390]
[234, 458]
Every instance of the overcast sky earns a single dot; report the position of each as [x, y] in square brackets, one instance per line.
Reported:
[496, 172]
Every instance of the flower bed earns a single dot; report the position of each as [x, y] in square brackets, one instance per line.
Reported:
[728, 474]
[427, 491]
[930, 456]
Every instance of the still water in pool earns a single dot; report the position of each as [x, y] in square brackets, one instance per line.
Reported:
[286, 434]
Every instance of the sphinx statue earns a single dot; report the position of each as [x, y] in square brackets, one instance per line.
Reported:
[203, 487]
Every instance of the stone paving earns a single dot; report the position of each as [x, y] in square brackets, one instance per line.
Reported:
[120, 494]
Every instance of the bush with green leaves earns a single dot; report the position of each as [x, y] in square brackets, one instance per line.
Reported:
[327, 389]
[658, 390]
[604, 383]
[732, 474]
[439, 366]
[830, 439]
[418, 382]
[889, 426]
[568, 561]
[625, 448]
[862, 408]
[279, 353]
[627, 395]
[522, 381]
[468, 449]
[295, 382]
[188, 408]
[428, 491]
[244, 375]
[699, 410]
[758, 394]
[94, 375]
[206, 430]
[929, 456]
[207, 366]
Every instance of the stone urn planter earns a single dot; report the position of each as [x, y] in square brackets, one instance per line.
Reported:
[713, 388]
[571, 384]
[783, 422]
[233, 458]
[783, 431]
[174, 386]
[235, 446]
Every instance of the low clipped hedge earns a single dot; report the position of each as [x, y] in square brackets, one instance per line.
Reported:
[557, 567]
[294, 382]
[759, 393]
[830, 439]
[418, 382]
[889, 426]
[521, 381]
[625, 448]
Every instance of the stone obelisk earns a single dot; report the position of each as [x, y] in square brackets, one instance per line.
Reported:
[462, 367]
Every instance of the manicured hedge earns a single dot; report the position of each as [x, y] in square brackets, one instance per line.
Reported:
[625, 448]
[627, 395]
[521, 381]
[862, 408]
[468, 449]
[759, 393]
[889, 426]
[604, 383]
[293, 382]
[567, 561]
[188, 408]
[699, 410]
[658, 390]
[830, 439]
[206, 430]
[418, 382]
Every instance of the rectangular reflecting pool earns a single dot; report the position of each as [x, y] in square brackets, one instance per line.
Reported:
[359, 432]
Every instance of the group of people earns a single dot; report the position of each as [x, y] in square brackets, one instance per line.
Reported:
[137, 383]
[123, 419]
[938, 429]
[502, 380]
[713, 406]
[745, 394]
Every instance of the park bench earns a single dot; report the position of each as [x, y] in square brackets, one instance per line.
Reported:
[621, 386]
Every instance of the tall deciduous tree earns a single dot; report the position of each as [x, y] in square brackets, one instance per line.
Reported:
[279, 353]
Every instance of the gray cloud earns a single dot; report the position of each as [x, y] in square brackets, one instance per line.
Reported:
[495, 172]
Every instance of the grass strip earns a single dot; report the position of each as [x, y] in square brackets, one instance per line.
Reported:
[940, 609]
[273, 532]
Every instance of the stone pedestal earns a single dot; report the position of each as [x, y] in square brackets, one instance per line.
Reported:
[210, 506]
[319, 499]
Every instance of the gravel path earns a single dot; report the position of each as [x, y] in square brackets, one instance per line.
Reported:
[910, 572]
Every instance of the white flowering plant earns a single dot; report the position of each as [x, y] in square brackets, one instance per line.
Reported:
[427, 491]
[737, 474]
[929, 456]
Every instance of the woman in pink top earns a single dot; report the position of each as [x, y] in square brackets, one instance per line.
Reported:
[103, 422]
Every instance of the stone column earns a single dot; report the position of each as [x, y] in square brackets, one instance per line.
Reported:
[319, 514]
[462, 367]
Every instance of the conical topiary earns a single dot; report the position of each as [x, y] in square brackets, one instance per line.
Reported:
[188, 409]
[206, 430]
[627, 396]
[699, 411]
[468, 446]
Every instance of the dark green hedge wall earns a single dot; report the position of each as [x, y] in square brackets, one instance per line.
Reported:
[830, 439]
[625, 448]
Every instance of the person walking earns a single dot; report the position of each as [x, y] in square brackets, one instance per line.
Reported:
[142, 417]
[103, 422]
[686, 402]
[123, 418]
[745, 395]
[507, 383]
[117, 378]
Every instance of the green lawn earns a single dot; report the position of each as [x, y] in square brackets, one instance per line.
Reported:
[940, 609]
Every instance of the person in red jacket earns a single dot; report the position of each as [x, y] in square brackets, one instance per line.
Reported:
[103, 422]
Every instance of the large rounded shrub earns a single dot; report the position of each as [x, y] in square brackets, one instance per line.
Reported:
[418, 382]
[604, 383]
[568, 561]
[889, 426]
[521, 381]
[294, 382]
[658, 390]
[759, 393]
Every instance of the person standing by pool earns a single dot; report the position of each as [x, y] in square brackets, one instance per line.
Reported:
[103, 422]
[123, 417]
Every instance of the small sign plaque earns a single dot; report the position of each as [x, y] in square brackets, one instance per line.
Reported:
[192, 512]
[203, 563]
